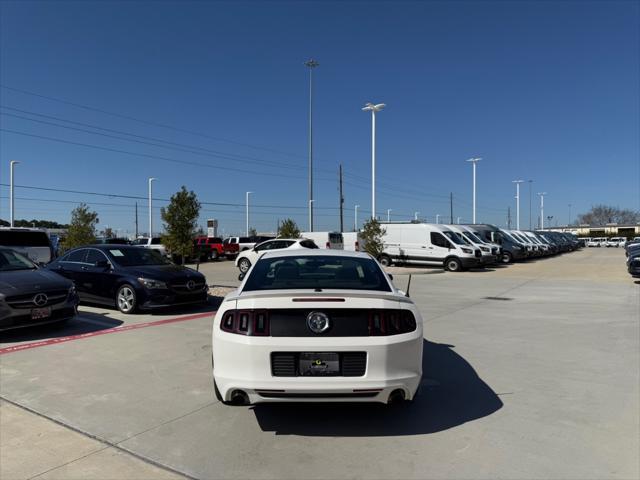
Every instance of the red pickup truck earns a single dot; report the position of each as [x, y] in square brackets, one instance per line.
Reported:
[208, 248]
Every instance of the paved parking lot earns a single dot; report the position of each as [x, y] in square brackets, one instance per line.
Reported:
[530, 371]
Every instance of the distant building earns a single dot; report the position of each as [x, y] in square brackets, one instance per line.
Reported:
[609, 230]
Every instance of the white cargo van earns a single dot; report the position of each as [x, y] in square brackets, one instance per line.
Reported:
[353, 241]
[427, 244]
[489, 254]
[332, 240]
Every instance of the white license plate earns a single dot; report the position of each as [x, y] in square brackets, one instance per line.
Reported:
[40, 313]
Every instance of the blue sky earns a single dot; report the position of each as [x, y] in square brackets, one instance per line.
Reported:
[545, 90]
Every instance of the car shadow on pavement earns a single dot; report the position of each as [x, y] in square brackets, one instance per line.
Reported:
[451, 394]
[84, 322]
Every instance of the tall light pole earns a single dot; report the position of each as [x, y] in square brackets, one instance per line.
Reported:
[310, 206]
[415, 215]
[355, 221]
[151, 206]
[474, 161]
[311, 64]
[542, 194]
[518, 182]
[389, 214]
[247, 206]
[530, 224]
[437, 218]
[12, 164]
[370, 107]
[459, 220]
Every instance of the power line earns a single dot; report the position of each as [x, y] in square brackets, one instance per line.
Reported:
[169, 145]
[155, 124]
[136, 197]
[147, 155]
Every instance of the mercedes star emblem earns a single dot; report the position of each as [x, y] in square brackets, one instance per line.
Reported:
[40, 299]
[191, 285]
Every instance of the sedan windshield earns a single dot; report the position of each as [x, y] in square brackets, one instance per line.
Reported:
[128, 257]
[10, 260]
[317, 273]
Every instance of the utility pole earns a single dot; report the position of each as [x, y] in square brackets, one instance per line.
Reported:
[341, 203]
[136, 220]
[509, 218]
[311, 64]
[568, 224]
[355, 220]
[451, 208]
[12, 202]
[518, 182]
[151, 207]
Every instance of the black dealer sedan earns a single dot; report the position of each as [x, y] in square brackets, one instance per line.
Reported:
[30, 295]
[130, 278]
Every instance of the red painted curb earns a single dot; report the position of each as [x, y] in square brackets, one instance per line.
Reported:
[53, 341]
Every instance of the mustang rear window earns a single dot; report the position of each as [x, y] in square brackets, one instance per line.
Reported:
[317, 272]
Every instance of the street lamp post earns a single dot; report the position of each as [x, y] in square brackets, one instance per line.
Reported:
[530, 223]
[415, 215]
[370, 107]
[437, 218]
[247, 211]
[389, 214]
[474, 161]
[310, 220]
[542, 194]
[518, 182]
[151, 206]
[459, 220]
[355, 221]
[311, 64]
[12, 164]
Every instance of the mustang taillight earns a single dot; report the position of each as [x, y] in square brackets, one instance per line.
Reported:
[246, 322]
[391, 322]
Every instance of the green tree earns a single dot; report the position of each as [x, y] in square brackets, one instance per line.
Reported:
[289, 229]
[180, 222]
[372, 233]
[82, 229]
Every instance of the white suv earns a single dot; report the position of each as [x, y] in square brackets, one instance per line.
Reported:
[250, 257]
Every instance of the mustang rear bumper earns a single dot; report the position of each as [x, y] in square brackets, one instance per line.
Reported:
[244, 363]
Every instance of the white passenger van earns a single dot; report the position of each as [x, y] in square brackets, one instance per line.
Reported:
[427, 244]
[353, 241]
[330, 240]
[489, 254]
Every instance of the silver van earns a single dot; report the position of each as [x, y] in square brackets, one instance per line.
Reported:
[33, 243]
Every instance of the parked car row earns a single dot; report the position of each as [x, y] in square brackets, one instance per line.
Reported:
[604, 241]
[460, 247]
[632, 251]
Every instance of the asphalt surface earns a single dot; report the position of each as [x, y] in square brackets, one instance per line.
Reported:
[530, 371]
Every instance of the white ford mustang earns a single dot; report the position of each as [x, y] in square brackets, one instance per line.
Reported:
[316, 325]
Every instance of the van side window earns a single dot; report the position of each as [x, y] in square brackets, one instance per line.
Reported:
[438, 240]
